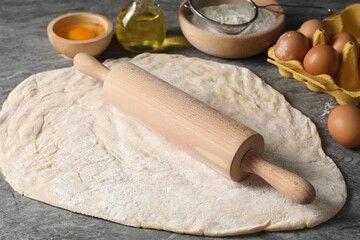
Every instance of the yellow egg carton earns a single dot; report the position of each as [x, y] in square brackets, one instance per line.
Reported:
[345, 87]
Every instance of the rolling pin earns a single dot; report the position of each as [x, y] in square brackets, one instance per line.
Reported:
[217, 140]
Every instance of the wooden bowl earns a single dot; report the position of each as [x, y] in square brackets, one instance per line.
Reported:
[68, 47]
[230, 46]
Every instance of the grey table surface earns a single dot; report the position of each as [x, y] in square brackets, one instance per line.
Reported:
[25, 50]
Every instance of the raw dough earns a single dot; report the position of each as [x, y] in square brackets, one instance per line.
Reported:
[63, 144]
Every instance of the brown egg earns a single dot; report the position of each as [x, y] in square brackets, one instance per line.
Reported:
[340, 39]
[344, 125]
[322, 59]
[292, 45]
[309, 27]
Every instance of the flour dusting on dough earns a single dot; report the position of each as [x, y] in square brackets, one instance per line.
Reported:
[63, 144]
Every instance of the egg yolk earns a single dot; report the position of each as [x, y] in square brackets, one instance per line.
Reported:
[80, 33]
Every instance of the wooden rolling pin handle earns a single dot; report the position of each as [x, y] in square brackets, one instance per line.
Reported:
[90, 66]
[289, 184]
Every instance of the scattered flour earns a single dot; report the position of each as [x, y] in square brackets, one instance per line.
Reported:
[327, 109]
[235, 14]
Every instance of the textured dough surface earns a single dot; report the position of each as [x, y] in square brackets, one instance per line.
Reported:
[63, 144]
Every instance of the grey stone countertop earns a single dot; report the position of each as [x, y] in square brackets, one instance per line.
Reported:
[26, 50]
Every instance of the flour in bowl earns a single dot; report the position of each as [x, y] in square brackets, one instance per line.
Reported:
[235, 14]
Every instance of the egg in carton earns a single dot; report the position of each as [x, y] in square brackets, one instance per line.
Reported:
[345, 86]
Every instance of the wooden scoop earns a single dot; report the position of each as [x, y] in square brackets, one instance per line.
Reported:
[217, 140]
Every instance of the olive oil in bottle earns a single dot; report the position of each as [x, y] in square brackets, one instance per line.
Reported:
[141, 26]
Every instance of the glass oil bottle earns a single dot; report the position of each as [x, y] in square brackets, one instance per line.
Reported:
[141, 26]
